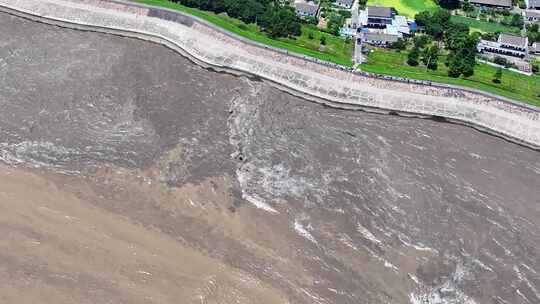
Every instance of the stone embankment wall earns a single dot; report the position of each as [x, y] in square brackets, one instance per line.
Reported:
[321, 82]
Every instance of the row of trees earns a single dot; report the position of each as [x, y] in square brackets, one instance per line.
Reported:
[461, 45]
[456, 37]
[335, 20]
[423, 50]
[275, 18]
[533, 32]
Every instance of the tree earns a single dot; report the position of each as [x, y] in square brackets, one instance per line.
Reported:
[517, 20]
[335, 22]
[466, 6]
[245, 10]
[468, 53]
[462, 58]
[345, 13]
[430, 57]
[277, 19]
[498, 75]
[462, 46]
[412, 58]
[533, 32]
[490, 36]
[399, 45]
[500, 60]
[435, 22]
[442, 17]
[311, 20]
[421, 40]
[449, 4]
[281, 23]
[454, 66]
[455, 35]
[423, 18]
[468, 67]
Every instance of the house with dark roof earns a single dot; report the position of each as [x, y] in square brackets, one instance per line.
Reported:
[381, 26]
[531, 15]
[506, 44]
[534, 4]
[513, 42]
[378, 39]
[306, 9]
[344, 3]
[380, 16]
[506, 4]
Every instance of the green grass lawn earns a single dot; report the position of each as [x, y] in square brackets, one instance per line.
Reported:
[513, 85]
[336, 50]
[407, 8]
[484, 26]
[334, 45]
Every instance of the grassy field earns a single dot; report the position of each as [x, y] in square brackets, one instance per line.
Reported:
[485, 26]
[336, 50]
[407, 8]
[513, 85]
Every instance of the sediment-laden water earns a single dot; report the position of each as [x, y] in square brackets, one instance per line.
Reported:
[131, 175]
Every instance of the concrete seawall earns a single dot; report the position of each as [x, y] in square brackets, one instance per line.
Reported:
[323, 83]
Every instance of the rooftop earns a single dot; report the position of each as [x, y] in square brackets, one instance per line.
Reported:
[534, 3]
[513, 40]
[345, 2]
[399, 25]
[307, 7]
[503, 3]
[381, 11]
[532, 13]
[380, 37]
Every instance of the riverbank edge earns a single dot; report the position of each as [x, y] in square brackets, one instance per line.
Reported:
[283, 86]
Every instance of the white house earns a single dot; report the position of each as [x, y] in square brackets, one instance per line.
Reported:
[534, 4]
[306, 9]
[531, 15]
[344, 3]
[506, 44]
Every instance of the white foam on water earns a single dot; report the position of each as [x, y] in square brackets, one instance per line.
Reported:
[367, 234]
[259, 203]
[301, 230]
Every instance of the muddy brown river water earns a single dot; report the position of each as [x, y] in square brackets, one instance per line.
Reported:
[130, 175]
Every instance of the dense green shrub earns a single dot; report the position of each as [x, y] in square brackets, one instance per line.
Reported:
[275, 18]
